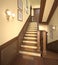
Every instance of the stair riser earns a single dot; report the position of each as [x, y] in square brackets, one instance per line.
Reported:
[30, 39]
[31, 35]
[28, 50]
[33, 28]
[31, 32]
[32, 54]
[29, 44]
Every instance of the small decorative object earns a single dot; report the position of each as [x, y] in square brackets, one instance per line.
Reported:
[20, 10]
[53, 27]
[9, 14]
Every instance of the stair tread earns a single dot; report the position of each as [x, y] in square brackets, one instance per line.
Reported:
[32, 38]
[30, 35]
[32, 24]
[33, 42]
[32, 32]
[30, 44]
[30, 53]
[31, 29]
[27, 46]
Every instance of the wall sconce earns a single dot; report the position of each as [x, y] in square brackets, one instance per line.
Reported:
[13, 15]
[9, 14]
[53, 27]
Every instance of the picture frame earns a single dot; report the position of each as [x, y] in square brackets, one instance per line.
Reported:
[20, 4]
[51, 31]
[20, 15]
[27, 6]
[20, 10]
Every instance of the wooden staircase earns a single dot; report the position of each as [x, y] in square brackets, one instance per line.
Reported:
[29, 43]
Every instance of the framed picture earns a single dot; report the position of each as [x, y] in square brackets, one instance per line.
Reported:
[51, 31]
[20, 15]
[20, 4]
[27, 6]
[20, 10]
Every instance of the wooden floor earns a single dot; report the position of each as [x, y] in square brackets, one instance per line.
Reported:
[29, 60]
[50, 54]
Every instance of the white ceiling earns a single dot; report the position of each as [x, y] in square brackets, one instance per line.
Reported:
[35, 3]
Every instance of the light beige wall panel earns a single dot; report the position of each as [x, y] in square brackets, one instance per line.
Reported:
[54, 22]
[10, 29]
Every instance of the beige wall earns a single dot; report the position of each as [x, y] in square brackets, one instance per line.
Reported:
[52, 34]
[53, 22]
[43, 27]
[36, 6]
[10, 29]
[48, 6]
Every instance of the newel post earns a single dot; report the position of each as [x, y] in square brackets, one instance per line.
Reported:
[38, 39]
[44, 42]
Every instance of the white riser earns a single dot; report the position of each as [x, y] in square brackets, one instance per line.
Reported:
[30, 35]
[33, 42]
[31, 38]
[32, 32]
[30, 53]
[31, 47]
